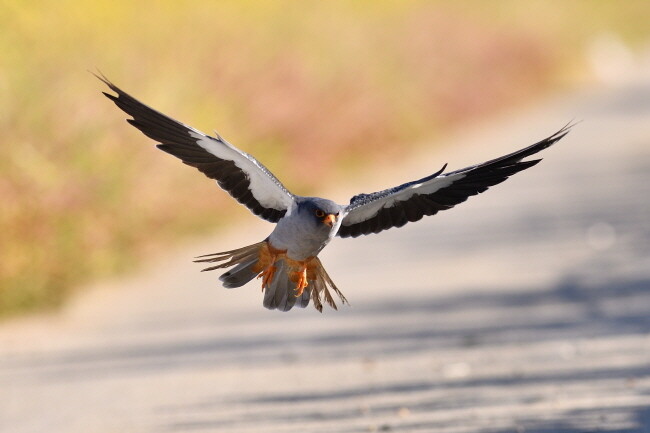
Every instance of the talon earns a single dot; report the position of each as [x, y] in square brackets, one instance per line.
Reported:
[266, 264]
[267, 276]
[302, 282]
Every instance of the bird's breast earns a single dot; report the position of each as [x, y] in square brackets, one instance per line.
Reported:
[301, 239]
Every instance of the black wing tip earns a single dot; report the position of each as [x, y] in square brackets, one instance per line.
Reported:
[110, 96]
[115, 98]
[101, 77]
[534, 148]
[570, 124]
[562, 132]
[523, 165]
[120, 93]
[439, 172]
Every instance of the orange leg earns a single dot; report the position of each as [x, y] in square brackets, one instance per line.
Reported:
[302, 282]
[267, 276]
[302, 272]
[266, 264]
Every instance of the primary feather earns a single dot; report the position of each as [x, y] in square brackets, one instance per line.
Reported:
[394, 207]
[237, 172]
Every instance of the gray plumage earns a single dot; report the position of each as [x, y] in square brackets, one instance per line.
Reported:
[277, 296]
[240, 274]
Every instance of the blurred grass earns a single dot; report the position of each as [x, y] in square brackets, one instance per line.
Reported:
[311, 88]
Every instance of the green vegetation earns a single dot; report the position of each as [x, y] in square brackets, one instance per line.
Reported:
[306, 86]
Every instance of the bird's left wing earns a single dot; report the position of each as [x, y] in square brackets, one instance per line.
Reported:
[394, 207]
[237, 172]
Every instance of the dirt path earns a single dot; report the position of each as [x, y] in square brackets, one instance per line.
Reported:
[524, 309]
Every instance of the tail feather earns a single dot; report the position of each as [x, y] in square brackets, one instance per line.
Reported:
[243, 260]
[279, 294]
[317, 288]
[303, 300]
[327, 281]
[239, 275]
[281, 291]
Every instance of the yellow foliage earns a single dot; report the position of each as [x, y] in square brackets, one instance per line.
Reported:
[304, 86]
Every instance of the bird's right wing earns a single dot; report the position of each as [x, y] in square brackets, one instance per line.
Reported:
[394, 207]
[237, 172]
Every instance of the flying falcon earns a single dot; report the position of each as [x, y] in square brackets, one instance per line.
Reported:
[287, 260]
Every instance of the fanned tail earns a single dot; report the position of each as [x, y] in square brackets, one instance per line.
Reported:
[281, 291]
[243, 259]
[320, 285]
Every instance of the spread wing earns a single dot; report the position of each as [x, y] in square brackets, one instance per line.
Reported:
[237, 172]
[394, 207]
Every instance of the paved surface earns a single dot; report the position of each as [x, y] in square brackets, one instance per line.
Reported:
[525, 309]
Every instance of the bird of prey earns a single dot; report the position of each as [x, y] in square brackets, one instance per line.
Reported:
[287, 260]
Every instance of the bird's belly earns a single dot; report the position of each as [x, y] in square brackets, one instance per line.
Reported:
[299, 244]
[305, 249]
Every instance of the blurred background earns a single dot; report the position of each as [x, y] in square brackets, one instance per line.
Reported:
[523, 310]
[313, 89]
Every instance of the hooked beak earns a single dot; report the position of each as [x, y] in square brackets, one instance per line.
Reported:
[329, 220]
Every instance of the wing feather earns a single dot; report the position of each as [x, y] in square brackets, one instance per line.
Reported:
[409, 202]
[237, 172]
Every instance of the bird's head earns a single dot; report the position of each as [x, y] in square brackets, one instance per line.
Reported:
[324, 213]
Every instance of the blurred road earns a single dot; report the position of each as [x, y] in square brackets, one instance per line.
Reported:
[525, 309]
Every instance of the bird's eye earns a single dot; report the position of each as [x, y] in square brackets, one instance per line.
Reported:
[319, 213]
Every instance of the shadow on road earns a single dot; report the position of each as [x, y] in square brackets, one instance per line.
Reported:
[473, 318]
[595, 312]
[569, 313]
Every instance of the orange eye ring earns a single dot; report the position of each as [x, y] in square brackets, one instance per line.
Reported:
[319, 213]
